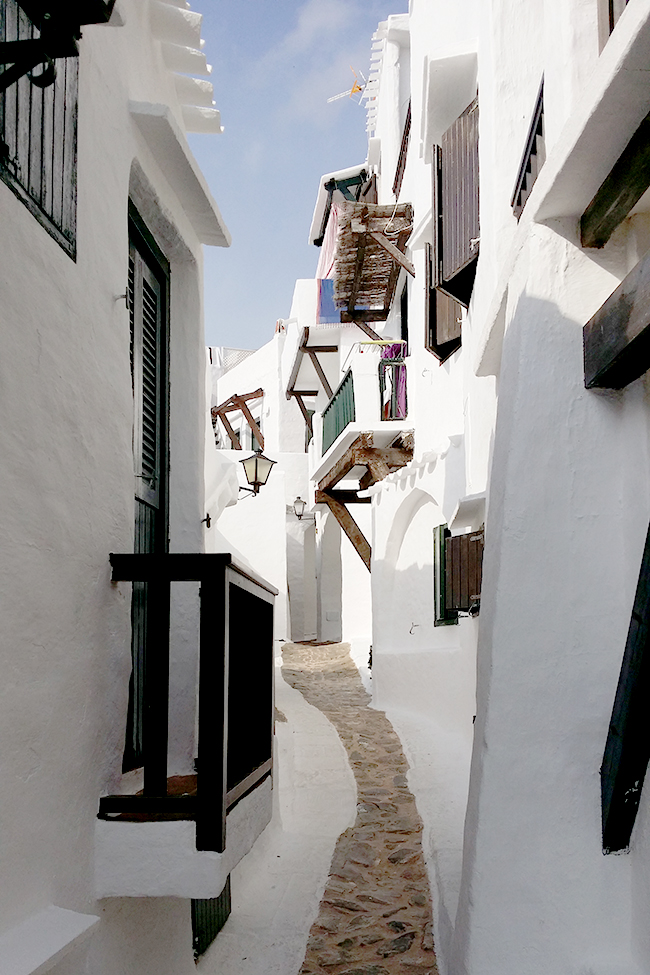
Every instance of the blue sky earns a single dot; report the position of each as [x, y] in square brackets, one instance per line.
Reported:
[275, 63]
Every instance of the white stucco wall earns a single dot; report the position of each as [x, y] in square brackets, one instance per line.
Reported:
[67, 500]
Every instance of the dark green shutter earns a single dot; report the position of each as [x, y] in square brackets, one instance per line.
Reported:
[442, 616]
[147, 288]
[209, 914]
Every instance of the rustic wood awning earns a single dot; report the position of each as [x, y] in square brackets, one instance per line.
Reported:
[369, 256]
[378, 462]
[238, 403]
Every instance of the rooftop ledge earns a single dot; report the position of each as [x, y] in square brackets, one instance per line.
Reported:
[169, 146]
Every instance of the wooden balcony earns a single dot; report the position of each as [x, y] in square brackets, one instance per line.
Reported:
[372, 392]
[235, 694]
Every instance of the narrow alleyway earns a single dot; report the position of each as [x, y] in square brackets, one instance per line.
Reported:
[375, 915]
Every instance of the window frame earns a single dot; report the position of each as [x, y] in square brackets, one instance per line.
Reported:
[41, 171]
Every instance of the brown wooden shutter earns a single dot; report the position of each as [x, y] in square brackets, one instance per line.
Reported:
[401, 161]
[463, 568]
[443, 316]
[458, 206]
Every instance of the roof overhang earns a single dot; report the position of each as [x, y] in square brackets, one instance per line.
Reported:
[169, 146]
[325, 198]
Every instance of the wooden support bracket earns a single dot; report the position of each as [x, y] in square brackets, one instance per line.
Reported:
[348, 524]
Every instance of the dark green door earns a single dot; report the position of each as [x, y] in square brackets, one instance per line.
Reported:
[148, 302]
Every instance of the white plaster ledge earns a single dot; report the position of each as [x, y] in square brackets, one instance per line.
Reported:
[469, 513]
[169, 146]
[38, 943]
[615, 100]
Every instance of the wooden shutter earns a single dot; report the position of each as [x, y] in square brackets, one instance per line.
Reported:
[627, 750]
[403, 152]
[147, 290]
[442, 616]
[208, 917]
[443, 316]
[463, 568]
[38, 137]
[457, 206]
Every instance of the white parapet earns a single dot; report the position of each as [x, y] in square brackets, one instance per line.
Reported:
[161, 859]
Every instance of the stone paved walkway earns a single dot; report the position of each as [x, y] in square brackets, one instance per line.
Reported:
[375, 916]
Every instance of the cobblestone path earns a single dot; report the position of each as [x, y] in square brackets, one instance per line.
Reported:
[375, 915]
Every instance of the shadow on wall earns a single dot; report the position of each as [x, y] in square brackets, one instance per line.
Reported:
[568, 510]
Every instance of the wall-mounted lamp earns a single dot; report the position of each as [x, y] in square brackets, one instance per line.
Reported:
[257, 468]
[299, 508]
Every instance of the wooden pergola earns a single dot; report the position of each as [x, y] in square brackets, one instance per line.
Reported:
[378, 462]
[238, 403]
[369, 256]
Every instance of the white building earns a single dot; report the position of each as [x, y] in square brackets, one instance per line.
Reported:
[528, 207]
[104, 214]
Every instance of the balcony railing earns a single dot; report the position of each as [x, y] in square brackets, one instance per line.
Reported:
[339, 411]
[392, 389]
[235, 695]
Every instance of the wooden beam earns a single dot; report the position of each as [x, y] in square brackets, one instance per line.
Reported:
[349, 497]
[228, 404]
[345, 464]
[617, 339]
[358, 268]
[303, 392]
[621, 190]
[250, 420]
[295, 369]
[368, 331]
[321, 348]
[363, 315]
[394, 273]
[349, 526]
[305, 413]
[234, 439]
[390, 248]
[376, 465]
[319, 371]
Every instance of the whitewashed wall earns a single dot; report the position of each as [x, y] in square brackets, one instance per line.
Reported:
[66, 502]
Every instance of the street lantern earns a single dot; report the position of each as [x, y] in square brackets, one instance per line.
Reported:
[257, 468]
[299, 508]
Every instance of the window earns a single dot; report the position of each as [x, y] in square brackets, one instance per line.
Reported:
[38, 136]
[456, 207]
[148, 302]
[533, 157]
[609, 12]
[458, 564]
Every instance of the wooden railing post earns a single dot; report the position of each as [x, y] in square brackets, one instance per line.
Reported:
[156, 709]
[213, 715]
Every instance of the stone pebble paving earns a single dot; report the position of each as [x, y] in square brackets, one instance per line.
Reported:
[375, 915]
